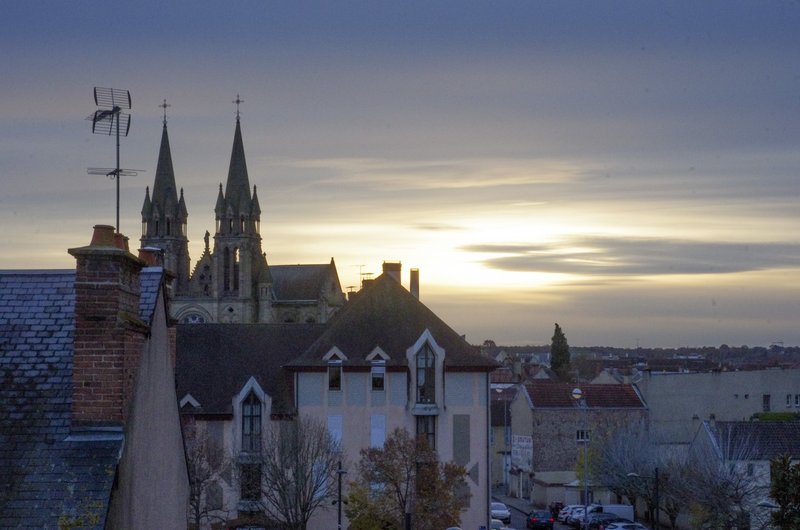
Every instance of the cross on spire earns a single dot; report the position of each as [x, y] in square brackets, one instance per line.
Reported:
[238, 100]
[164, 106]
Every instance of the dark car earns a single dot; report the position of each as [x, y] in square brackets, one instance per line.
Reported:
[599, 521]
[540, 519]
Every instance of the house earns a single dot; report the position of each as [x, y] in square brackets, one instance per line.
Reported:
[384, 361]
[547, 418]
[743, 450]
[500, 437]
[89, 428]
[679, 402]
[434, 383]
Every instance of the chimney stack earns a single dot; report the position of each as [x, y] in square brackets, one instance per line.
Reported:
[393, 268]
[414, 283]
[109, 334]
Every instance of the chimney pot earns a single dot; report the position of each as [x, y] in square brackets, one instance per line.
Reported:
[414, 283]
[103, 236]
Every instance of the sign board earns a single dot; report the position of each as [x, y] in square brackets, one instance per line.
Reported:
[522, 452]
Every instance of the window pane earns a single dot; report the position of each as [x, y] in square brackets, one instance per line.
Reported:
[334, 377]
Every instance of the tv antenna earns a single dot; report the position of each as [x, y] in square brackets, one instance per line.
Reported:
[108, 120]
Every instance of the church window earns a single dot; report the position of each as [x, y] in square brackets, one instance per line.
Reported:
[426, 375]
[183, 229]
[226, 272]
[193, 318]
[235, 269]
[157, 227]
[144, 228]
[251, 423]
[335, 375]
[169, 226]
[241, 224]
[230, 226]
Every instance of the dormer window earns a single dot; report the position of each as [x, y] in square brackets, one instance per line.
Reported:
[335, 375]
[251, 423]
[426, 375]
[378, 376]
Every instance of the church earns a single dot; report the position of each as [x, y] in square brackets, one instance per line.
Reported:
[231, 282]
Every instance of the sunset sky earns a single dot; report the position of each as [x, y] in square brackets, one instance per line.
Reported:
[630, 170]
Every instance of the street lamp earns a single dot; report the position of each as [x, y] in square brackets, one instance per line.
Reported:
[339, 473]
[655, 491]
[580, 400]
[505, 440]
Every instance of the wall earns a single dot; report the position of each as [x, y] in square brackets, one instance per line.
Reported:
[675, 399]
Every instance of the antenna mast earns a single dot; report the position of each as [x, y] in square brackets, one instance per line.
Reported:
[108, 120]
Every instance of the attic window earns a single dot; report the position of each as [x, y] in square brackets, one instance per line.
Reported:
[378, 374]
[335, 375]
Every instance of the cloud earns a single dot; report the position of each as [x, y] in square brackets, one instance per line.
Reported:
[612, 256]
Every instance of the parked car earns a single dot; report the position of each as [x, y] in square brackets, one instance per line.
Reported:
[599, 521]
[501, 511]
[495, 524]
[575, 517]
[540, 519]
[566, 510]
[626, 526]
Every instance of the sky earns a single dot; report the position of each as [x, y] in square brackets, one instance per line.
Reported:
[627, 169]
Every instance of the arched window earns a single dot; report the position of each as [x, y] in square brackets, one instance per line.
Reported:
[426, 375]
[251, 423]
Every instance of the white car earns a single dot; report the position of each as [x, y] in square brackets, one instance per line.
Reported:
[625, 526]
[501, 511]
[565, 511]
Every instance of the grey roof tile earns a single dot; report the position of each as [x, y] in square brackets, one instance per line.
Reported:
[42, 475]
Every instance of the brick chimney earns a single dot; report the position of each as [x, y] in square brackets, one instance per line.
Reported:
[109, 335]
[413, 285]
[393, 268]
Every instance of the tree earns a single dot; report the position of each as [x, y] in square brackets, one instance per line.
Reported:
[205, 462]
[559, 355]
[405, 477]
[719, 482]
[785, 490]
[298, 464]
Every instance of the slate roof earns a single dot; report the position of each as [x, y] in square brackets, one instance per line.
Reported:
[47, 472]
[554, 394]
[756, 440]
[387, 316]
[215, 361]
[299, 282]
[149, 280]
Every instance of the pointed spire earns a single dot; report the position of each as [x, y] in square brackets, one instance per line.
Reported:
[219, 208]
[255, 207]
[148, 204]
[237, 187]
[164, 187]
[184, 213]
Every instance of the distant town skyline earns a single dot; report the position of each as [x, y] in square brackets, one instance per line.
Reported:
[626, 169]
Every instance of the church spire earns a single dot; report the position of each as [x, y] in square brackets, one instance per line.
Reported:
[237, 187]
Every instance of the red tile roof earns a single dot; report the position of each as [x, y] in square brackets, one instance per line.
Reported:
[553, 394]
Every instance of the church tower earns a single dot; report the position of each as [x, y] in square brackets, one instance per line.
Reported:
[164, 216]
[239, 266]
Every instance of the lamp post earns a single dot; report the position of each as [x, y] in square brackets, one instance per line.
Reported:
[580, 400]
[655, 492]
[339, 473]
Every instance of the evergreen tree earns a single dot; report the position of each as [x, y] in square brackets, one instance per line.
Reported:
[559, 354]
[785, 489]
